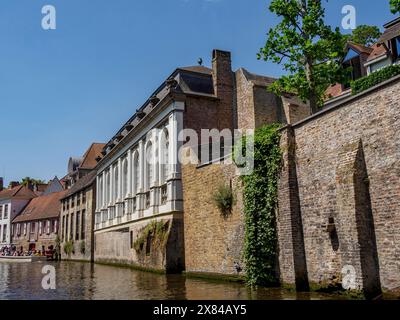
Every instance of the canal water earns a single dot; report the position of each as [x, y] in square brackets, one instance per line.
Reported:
[77, 280]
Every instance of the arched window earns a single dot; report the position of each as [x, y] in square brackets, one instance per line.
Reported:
[116, 181]
[124, 178]
[165, 156]
[149, 165]
[108, 186]
[136, 172]
[101, 191]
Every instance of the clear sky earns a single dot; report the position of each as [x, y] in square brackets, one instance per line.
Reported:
[61, 90]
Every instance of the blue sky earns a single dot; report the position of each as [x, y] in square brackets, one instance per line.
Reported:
[61, 90]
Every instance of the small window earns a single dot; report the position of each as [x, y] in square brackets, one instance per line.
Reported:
[131, 239]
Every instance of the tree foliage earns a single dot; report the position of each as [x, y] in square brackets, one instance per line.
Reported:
[395, 6]
[307, 48]
[365, 35]
[30, 181]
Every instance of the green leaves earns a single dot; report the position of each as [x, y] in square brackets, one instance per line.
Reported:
[365, 35]
[375, 78]
[224, 199]
[260, 203]
[308, 50]
[395, 6]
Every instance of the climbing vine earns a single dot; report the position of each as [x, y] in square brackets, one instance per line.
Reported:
[260, 203]
[157, 230]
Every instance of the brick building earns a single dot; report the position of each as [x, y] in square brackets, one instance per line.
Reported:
[139, 180]
[339, 194]
[36, 227]
[366, 60]
[78, 204]
[12, 202]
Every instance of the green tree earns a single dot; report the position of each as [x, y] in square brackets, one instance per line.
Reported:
[365, 35]
[30, 181]
[309, 50]
[395, 6]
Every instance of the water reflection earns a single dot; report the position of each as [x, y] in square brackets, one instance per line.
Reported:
[77, 280]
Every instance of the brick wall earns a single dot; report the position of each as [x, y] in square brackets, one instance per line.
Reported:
[212, 243]
[88, 207]
[344, 163]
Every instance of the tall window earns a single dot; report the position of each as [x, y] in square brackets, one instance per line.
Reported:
[100, 191]
[116, 180]
[6, 211]
[4, 232]
[136, 172]
[71, 234]
[77, 224]
[1, 212]
[149, 165]
[83, 224]
[165, 157]
[108, 183]
[63, 228]
[124, 178]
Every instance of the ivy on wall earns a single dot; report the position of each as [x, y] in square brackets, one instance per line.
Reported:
[260, 203]
[157, 230]
[374, 78]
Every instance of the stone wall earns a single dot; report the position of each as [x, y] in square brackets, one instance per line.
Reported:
[213, 243]
[339, 193]
[88, 209]
[161, 252]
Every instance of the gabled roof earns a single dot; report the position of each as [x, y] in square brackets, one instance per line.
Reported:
[359, 48]
[18, 192]
[89, 158]
[392, 30]
[81, 184]
[198, 69]
[53, 186]
[377, 52]
[40, 208]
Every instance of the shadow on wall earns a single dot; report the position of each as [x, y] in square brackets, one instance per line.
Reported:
[365, 227]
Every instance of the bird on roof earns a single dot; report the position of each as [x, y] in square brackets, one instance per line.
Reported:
[200, 61]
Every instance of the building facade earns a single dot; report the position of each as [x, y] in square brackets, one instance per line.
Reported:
[139, 215]
[36, 227]
[366, 60]
[12, 202]
[78, 205]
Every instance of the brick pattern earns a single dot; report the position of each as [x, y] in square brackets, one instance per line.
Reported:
[322, 160]
[88, 207]
[213, 244]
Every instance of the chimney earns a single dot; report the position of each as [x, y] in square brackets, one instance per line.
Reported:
[1, 183]
[223, 87]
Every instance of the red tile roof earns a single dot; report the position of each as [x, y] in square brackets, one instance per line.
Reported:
[43, 207]
[359, 48]
[18, 192]
[89, 158]
[377, 51]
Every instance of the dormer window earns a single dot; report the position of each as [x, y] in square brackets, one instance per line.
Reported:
[353, 61]
[395, 48]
